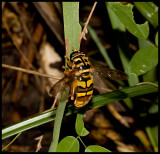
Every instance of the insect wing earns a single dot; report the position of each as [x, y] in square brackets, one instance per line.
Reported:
[60, 86]
[112, 74]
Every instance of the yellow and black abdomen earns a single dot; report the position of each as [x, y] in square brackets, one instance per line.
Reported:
[84, 78]
[84, 90]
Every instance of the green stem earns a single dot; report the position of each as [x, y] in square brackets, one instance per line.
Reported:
[97, 101]
[58, 121]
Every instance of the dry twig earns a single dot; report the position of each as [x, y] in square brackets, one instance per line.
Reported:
[147, 83]
[30, 72]
[39, 142]
[85, 27]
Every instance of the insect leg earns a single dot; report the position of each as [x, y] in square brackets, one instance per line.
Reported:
[73, 89]
[70, 64]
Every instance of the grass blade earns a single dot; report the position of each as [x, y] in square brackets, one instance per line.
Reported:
[72, 28]
[97, 101]
[72, 32]
[133, 91]
[58, 121]
[100, 47]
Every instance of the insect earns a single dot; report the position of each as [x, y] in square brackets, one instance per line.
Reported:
[80, 78]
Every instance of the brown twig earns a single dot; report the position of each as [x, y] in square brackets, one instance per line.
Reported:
[39, 142]
[89, 17]
[148, 83]
[117, 115]
[30, 72]
[55, 101]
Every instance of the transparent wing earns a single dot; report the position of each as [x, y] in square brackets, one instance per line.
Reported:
[113, 74]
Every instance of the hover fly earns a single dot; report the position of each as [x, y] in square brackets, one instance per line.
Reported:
[80, 79]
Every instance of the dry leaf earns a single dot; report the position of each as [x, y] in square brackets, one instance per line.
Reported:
[49, 56]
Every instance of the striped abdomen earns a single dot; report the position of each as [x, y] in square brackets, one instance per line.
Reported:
[84, 78]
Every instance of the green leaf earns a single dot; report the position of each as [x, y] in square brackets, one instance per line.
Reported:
[133, 79]
[153, 136]
[152, 131]
[153, 109]
[80, 129]
[156, 39]
[125, 15]
[144, 43]
[72, 28]
[58, 121]
[68, 144]
[96, 148]
[149, 10]
[144, 60]
[115, 22]
[151, 75]
[122, 45]
[97, 101]
[72, 32]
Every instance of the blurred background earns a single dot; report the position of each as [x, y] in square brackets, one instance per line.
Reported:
[36, 30]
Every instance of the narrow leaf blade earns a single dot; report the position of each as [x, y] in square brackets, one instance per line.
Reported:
[58, 121]
[72, 28]
[97, 101]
